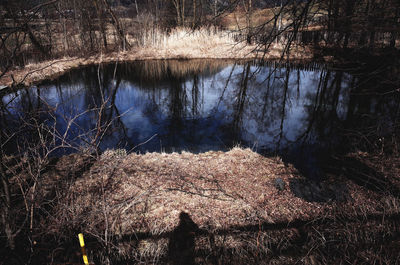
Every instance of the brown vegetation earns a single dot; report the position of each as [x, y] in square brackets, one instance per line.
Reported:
[131, 204]
[179, 44]
[147, 192]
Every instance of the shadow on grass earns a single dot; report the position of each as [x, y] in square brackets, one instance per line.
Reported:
[313, 191]
[334, 188]
[359, 172]
[264, 242]
[182, 241]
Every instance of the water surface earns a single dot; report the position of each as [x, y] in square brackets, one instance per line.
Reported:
[303, 113]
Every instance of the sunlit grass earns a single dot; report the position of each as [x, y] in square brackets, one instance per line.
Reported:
[199, 43]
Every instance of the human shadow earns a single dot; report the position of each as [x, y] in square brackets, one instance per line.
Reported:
[181, 248]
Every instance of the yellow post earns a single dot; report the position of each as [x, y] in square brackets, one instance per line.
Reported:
[82, 243]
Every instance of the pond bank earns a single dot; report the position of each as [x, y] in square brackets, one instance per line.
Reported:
[235, 205]
[218, 189]
[35, 73]
[229, 194]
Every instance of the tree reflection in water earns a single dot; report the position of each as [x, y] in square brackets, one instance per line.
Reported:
[301, 112]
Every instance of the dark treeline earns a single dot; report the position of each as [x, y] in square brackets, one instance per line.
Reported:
[50, 29]
[37, 30]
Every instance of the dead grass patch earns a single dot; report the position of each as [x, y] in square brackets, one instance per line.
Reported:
[131, 206]
[146, 193]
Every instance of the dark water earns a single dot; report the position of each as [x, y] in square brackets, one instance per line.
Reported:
[303, 113]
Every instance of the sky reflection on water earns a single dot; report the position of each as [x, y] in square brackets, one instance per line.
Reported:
[201, 105]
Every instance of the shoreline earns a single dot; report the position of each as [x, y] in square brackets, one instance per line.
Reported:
[33, 74]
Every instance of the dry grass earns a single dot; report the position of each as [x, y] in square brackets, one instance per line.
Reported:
[133, 202]
[200, 43]
[146, 193]
[180, 43]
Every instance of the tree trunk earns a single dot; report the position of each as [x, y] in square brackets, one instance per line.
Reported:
[137, 9]
[215, 12]
[194, 13]
[62, 22]
[178, 12]
[121, 34]
[183, 12]
[5, 211]
[100, 17]
[372, 40]
[248, 21]
[35, 41]
[393, 36]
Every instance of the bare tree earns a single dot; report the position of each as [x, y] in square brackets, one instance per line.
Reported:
[118, 26]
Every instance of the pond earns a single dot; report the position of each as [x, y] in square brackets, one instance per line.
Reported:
[303, 113]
